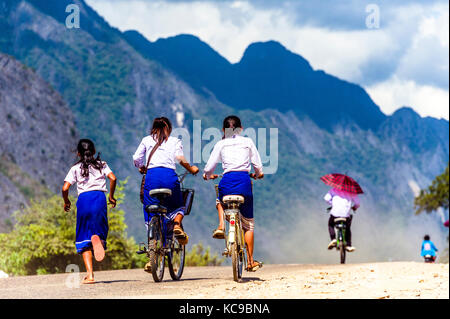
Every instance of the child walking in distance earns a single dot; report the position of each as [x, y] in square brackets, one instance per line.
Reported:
[237, 154]
[90, 173]
[156, 157]
[342, 203]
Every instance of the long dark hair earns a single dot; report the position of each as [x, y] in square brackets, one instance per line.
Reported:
[231, 126]
[86, 151]
[161, 129]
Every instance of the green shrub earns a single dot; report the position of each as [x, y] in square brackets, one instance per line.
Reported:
[198, 256]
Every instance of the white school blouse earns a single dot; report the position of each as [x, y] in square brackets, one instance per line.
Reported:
[164, 156]
[96, 181]
[237, 153]
[340, 205]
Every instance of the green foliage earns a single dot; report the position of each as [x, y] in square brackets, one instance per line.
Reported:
[435, 196]
[42, 240]
[198, 256]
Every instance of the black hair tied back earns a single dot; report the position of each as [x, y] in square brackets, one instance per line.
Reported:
[86, 150]
[161, 129]
[231, 126]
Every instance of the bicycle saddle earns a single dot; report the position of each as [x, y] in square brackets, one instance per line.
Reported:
[160, 193]
[233, 198]
[340, 220]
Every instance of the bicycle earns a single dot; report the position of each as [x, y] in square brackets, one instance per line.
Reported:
[340, 225]
[429, 259]
[341, 244]
[162, 243]
[235, 246]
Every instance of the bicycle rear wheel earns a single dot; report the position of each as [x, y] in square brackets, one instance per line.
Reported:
[176, 259]
[235, 262]
[241, 264]
[156, 252]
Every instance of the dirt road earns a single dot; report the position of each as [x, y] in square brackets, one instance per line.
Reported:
[377, 280]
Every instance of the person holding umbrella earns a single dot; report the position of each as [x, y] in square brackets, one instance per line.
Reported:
[343, 198]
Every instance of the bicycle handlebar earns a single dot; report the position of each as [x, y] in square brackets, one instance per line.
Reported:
[252, 175]
[329, 209]
[181, 177]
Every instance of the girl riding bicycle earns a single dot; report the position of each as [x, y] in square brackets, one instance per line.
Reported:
[90, 173]
[167, 151]
[342, 203]
[237, 154]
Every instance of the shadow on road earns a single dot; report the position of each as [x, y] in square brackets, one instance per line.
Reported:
[113, 281]
[250, 279]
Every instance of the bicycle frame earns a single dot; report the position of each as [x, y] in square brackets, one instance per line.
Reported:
[162, 226]
[235, 231]
[340, 238]
[161, 215]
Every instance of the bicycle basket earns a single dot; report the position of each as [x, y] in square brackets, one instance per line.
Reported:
[188, 198]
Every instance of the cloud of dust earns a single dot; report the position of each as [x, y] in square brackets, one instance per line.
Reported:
[377, 236]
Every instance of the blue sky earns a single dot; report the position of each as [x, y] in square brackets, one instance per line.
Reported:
[404, 62]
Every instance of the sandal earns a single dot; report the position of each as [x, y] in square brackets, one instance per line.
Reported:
[183, 241]
[178, 231]
[254, 267]
[180, 235]
[148, 267]
[219, 234]
[87, 281]
[99, 251]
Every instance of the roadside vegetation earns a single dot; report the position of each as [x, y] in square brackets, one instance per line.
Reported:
[436, 196]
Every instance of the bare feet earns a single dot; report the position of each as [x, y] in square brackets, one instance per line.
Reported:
[99, 251]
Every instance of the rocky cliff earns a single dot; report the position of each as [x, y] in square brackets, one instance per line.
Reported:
[37, 136]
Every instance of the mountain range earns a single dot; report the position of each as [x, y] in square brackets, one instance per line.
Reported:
[115, 83]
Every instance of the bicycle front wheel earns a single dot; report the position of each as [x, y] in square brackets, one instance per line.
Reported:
[342, 252]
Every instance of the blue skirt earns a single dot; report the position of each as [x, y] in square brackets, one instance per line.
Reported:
[92, 219]
[238, 183]
[162, 177]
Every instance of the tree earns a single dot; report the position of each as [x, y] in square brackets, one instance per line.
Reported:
[435, 196]
[198, 256]
[42, 240]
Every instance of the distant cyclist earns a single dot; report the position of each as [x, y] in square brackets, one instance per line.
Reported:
[342, 203]
[428, 248]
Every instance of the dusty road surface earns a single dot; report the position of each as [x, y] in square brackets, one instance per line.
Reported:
[375, 281]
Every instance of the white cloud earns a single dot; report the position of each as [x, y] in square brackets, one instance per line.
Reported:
[426, 60]
[395, 57]
[426, 100]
